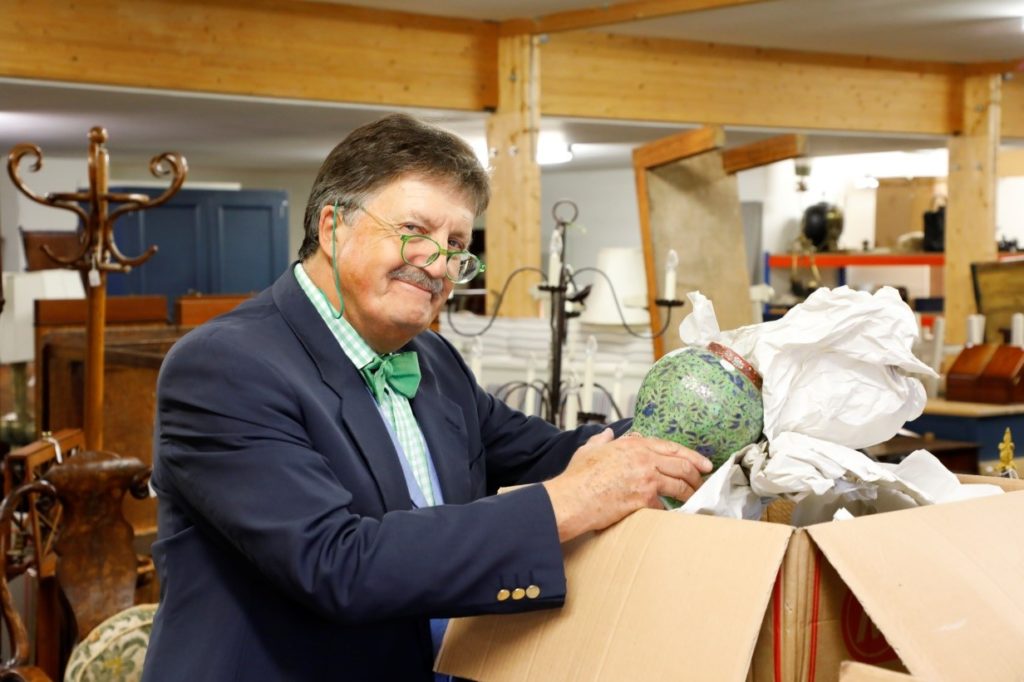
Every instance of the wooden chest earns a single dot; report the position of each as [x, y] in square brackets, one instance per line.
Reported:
[987, 373]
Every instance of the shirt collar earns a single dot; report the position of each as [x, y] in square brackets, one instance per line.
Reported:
[357, 350]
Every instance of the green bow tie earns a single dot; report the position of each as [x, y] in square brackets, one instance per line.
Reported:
[401, 371]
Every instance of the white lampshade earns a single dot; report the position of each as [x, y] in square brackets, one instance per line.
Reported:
[21, 290]
[625, 268]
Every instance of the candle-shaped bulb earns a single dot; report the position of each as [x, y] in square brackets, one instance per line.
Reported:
[556, 243]
[587, 397]
[555, 259]
[671, 263]
[531, 375]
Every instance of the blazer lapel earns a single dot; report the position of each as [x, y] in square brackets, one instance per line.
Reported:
[359, 412]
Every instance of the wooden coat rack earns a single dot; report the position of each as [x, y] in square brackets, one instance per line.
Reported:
[99, 254]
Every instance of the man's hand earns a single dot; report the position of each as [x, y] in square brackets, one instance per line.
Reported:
[608, 479]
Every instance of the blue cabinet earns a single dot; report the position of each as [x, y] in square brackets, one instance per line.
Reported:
[210, 241]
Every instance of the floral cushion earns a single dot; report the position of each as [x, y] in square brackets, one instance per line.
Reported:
[115, 649]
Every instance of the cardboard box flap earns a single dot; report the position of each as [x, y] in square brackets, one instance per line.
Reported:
[658, 595]
[943, 584]
[849, 671]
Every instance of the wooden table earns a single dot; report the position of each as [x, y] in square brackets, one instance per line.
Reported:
[960, 457]
[981, 423]
[133, 359]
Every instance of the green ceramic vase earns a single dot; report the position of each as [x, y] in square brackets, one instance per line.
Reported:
[707, 399]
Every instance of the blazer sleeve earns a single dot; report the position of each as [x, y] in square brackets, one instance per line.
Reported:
[233, 455]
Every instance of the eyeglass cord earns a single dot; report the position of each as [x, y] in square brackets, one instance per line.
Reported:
[334, 269]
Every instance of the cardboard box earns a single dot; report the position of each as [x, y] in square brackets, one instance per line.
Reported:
[673, 596]
[850, 671]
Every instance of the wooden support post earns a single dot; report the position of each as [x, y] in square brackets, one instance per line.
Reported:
[971, 212]
[513, 217]
[1011, 163]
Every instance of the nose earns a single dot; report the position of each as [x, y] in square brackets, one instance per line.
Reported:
[438, 268]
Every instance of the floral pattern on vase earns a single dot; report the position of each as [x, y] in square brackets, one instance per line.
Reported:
[115, 649]
[700, 400]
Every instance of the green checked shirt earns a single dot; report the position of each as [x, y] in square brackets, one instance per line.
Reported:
[395, 407]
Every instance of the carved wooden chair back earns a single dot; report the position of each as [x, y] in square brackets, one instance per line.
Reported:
[96, 564]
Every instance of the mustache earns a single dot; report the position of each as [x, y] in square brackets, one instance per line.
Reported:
[413, 275]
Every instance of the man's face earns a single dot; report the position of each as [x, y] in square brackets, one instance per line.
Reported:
[386, 300]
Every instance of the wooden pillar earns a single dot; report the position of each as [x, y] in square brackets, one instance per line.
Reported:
[513, 217]
[1011, 163]
[971, 212]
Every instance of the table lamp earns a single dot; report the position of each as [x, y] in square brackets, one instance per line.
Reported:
[627, 275]
[17, 340]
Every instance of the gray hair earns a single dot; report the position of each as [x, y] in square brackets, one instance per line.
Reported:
[381, 152]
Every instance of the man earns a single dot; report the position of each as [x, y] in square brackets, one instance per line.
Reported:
[321, 510]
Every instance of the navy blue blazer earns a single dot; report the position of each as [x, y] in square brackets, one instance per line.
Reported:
[288, 546]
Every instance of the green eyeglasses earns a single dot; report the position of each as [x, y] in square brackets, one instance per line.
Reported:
[421, 251]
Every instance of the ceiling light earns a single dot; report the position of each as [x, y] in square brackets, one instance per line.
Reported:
[551, 156]
[552, 148]
[866, 182]
[481, 151]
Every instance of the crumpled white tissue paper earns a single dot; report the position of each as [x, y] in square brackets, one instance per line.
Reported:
[837, 376]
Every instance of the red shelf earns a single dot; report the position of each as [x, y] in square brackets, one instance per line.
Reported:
[842, 260]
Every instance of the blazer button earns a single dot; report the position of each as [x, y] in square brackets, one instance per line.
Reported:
[503, 594]
[518, 593]
[532, 592]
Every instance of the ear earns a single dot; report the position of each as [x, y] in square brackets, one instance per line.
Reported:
[326, 226]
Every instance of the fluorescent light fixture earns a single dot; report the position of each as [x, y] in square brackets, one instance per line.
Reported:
[866, 182]
[479, 145]
[552, 148]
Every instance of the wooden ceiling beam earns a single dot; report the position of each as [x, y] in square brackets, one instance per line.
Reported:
[266, 48]
[618, 13]
[312, 51]
[763, 152]
[611, 76]
[1010, 66]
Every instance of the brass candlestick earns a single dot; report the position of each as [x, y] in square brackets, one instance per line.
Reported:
[1007, 467]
